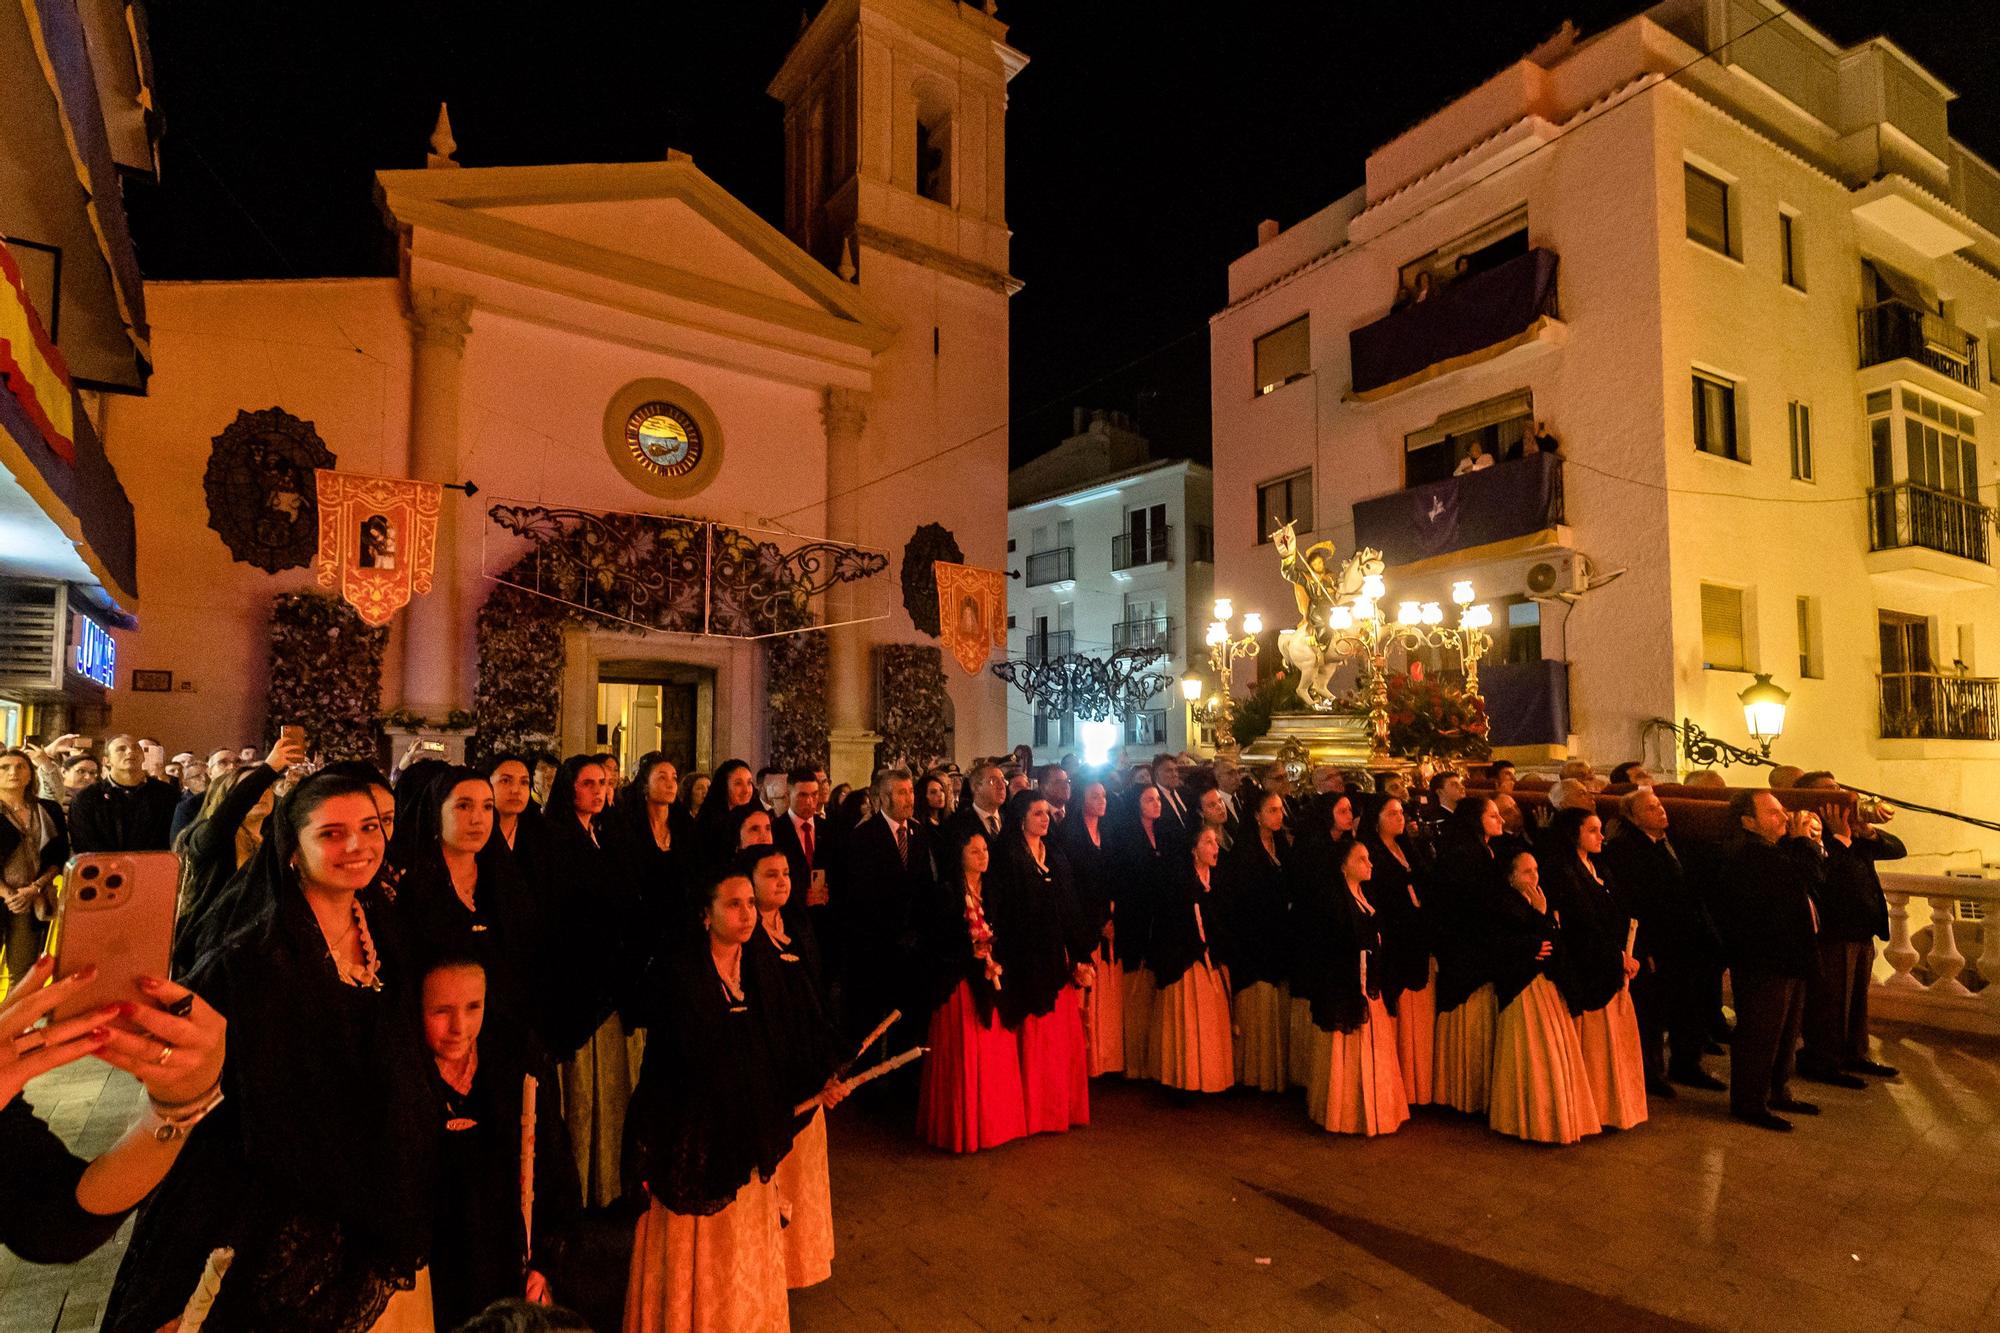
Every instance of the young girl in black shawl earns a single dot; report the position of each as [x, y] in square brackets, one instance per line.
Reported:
[1191, 1012]
[1143, 854]
[660, 840]
[1398, 888]
[970, 1096]
[805, 1198]
[480, 1250]
[711, 1122]
[1597, 971]
[1329, 823]
[318, 1167]
[1254, 943]
[1086, 841]
[1541, 1089]
[1355, 1083]
[1044, 948]
[1462, 894]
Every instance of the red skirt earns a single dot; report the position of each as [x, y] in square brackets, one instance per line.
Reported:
[971, 1093]
[1055, 1067]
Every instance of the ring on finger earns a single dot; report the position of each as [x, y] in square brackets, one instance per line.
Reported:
[29, 1042]
[166, 1054]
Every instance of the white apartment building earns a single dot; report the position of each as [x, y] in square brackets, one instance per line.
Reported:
[1753, 299]
[1108, 548]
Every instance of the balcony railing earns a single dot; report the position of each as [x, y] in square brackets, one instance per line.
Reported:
[1050, 645]
[1147, 634]
[1911, 515]
[1201, 543]
[1895, 330]
[1930, 706]
[1481, 313]
[1507, 500]
[1051, 566]
[1149, 546]
[1943, 954]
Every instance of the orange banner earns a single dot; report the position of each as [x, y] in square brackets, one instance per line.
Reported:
[972, 612]
[32, 366]
[377, 540]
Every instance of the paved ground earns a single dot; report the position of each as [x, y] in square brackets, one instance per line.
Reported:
[1879, 1215]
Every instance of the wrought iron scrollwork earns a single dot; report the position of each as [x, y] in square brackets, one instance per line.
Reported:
[1089, 687]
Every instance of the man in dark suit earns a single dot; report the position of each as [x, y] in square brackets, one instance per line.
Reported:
[885, 878]
[1854, 914]
[989, 792]
[1055, 789]
[125, 810]
[1175, 804]
[1676, 945]
[1767, 910]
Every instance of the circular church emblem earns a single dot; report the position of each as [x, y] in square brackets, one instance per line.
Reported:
[664, 439]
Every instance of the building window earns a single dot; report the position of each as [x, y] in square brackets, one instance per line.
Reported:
[1283, 355]
[1708, 211]
[1812, 657]
[1722, 628]
[1498, 427]
[1715, 417]
[1286, 500]
[1800, 417]
[1791, 256]
[933, 140]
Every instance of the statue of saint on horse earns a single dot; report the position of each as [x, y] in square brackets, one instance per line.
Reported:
[1319, 582]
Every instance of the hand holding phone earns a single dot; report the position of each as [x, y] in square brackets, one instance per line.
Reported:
[115, 920]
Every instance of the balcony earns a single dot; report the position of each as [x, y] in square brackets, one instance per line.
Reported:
[1896, 330]
[1150, 546]
[1148, 635]
[1050, 644]
[1927, 706]
[1473, 319]
[1911, 515]
[1527, 703]
[1057, 566]
[1509, 501]
[1147, 728]
[1201, 544]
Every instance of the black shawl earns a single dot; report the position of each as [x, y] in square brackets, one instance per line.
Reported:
[1251, 930]
[1093, 873]
[1593, 926]
[1142, 868]
[1178, 942]
[1516, 932]
[1469, 876]
[945, 954]
[502, 930]
[1333, 933]
[1403, 911]
[1034, 918]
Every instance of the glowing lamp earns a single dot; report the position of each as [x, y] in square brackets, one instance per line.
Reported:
[1373, 588]
[1461, 592]
[1764, 710]
[1099, 738]
[1364, 608]
[1190, 687]
[1408, 613]
[1218, 633]
[1253, 623]
[1224, 609]
[1433, 614]
[1340, 618]
[1480, 616]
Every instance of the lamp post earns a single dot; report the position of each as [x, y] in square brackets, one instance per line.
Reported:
[1364, 632]
[1224, 649]
[1764, 711]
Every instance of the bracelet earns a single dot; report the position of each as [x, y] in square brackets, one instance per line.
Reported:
[170, 1123]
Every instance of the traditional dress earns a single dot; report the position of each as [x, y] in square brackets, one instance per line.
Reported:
[1355, 1080]
[1467, 882]
[1407, 968]
[1540, 1088]
[805, 1192]
[1143, 870]
[1092, 872]
[1594, 984]
[711, 1121]
[1252, 940]
[1191, 1010]
[1038, 933]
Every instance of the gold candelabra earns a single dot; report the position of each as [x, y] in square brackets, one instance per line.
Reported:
[1363, 630]
[1224, 649]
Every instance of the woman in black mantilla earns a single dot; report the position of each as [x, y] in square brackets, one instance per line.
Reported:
[1253, 942]
[660, 842]
[1143, 856]
[1399, 889]
[1597, 970]
[318, 1167]
[1086, 840]
[1355, 1084]
[1467, 881]
[970, 1096]
[1541, 1086]
[1044, 946]
[1329, 823]
[712, 1119]
[1191, 1021]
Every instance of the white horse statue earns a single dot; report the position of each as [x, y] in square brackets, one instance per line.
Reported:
[1319, 587]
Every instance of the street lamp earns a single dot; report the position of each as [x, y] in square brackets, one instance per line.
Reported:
[1224, 648]
[1764, 710]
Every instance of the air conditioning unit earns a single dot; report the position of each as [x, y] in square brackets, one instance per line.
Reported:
[1567, 573]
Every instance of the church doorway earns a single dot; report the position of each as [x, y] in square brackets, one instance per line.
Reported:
[647, 705]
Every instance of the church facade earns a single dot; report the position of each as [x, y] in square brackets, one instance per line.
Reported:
[591, 345]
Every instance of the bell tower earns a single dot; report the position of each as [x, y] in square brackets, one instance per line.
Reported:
[895, 135]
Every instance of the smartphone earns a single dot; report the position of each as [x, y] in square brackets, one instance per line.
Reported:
[294, 733]
[431, 747]
[117, 912]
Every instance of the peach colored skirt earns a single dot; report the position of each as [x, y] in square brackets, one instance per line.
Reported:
[1299, 1042]
[1416, 1021]
[1142, 1055]
[597, 1084]
[720, 1274]
[1541, 1090]
[1261, 1015]
[1191, 1032]
[1357, 1081]
[805, 1204]
[1462, 1060]
[1614, 1061]
[1104, 1016]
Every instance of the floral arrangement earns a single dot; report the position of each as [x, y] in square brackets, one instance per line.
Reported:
[795, 692]
[520, 673]
[326, 676]
[915, 706]
[1433, 719]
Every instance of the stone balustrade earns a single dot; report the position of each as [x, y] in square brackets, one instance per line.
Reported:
[1939, 967]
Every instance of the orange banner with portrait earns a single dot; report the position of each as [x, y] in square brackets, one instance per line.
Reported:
[377, 540]
[972, 612]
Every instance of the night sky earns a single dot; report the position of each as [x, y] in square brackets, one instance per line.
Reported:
[1145, 141]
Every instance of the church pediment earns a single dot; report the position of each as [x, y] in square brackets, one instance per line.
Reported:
[662, 227]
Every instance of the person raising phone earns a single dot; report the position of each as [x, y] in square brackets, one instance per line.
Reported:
[55, 1208]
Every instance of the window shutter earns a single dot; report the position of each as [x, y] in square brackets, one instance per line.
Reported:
[1722, 627]
[1707, 210]
[1284, 354]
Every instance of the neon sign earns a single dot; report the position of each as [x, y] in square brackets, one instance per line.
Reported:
[96, 652]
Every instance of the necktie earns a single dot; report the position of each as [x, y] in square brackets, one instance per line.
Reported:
[806, 840]
[903, 842]
[993, 825]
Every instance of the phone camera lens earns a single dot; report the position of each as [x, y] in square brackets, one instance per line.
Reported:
[88, 872]
[87, 894]
[113, 881]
